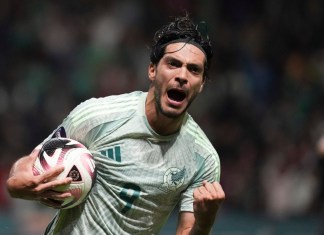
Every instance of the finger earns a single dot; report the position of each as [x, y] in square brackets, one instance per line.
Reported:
[210, 187]
[207, 188]
[219, 189]
[51, 203]
[29, 160]
[211, 191]
[203, 190]
[200, 193]
[55, 195]
[216, 191]
[215, 186]
[54, 184]
[51, 173]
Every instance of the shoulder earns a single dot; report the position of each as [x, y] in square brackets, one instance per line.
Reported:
[106, 105]
[121, 100]
[199, 137]
[96, 111]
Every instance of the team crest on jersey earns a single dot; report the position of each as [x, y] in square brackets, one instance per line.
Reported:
[173, 179]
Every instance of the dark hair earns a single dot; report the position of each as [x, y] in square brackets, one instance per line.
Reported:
[181, 29]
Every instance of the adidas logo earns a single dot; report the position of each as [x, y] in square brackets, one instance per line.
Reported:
[112, 153]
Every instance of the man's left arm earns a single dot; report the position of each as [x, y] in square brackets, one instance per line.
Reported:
[207, 201]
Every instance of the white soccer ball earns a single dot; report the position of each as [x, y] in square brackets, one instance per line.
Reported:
[78, 164]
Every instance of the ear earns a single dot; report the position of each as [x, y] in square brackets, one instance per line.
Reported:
[151, 71]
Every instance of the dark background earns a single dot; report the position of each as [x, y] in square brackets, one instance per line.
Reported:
[262, 107]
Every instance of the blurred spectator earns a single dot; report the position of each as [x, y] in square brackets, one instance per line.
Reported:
[320, 153]
[262, 108]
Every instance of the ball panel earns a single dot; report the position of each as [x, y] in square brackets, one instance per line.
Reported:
[89, 165]
[78, 164]
[37, 171]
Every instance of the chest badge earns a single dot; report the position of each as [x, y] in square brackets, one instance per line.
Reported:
[173, 179]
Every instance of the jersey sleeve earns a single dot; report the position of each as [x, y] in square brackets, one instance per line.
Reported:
[209, 171]
[69, 128]
[94, 112]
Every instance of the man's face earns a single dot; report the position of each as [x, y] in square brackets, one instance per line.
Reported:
[177, 79]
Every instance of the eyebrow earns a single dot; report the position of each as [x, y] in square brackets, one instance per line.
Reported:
[170, 57]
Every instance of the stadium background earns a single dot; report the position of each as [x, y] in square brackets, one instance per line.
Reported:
[262, 108]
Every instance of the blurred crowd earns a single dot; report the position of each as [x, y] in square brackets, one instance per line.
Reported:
[262, 106]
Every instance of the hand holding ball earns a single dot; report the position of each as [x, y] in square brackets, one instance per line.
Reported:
[78, 164]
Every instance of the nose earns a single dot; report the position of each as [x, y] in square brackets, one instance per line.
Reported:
[182, 81]
[182, 76]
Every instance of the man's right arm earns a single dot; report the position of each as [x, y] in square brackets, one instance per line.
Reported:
[24, 185]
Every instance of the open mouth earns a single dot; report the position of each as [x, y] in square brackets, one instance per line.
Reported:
[176, 95]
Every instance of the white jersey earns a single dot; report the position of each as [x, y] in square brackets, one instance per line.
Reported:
[141, 176]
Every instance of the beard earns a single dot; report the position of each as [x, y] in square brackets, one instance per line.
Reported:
[158, 104]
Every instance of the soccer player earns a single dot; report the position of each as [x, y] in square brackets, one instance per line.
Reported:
[150, 154]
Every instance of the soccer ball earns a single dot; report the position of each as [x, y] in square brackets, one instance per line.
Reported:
[78, 164]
